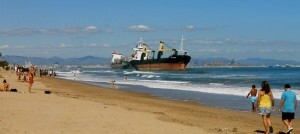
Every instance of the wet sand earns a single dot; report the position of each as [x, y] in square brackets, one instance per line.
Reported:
[75, 107]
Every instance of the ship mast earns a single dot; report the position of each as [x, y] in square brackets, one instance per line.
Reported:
[181, 46]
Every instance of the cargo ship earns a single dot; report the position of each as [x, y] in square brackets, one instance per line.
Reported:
[143, 58]
[119, 61]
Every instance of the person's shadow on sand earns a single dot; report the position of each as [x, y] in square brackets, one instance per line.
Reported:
[261, 131]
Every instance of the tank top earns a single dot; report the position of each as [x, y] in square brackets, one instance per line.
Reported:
[265, 101]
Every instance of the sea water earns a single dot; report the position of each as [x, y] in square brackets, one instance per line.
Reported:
[220, 87]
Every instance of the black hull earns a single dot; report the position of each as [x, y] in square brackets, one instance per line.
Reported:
[172, 63]
[123, 65]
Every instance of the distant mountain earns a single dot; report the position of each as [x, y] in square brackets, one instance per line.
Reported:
[267, 62]
[87, 60]
[247, 62]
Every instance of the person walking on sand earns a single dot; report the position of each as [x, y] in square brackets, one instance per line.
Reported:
[253, 92]
[265, 104]
[288, 106]
[30, 81]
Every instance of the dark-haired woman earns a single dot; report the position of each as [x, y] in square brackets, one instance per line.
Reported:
[265, 104]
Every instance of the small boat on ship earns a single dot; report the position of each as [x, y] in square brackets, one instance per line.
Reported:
[119, 61]
[143, 58]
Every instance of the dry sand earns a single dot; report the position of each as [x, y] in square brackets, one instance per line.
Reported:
[78, 108]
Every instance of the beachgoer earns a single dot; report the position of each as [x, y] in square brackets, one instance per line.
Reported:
[253, 92]
[24, 78]
[112, 83]
[5, 86]
[265, 104]
[30, 81]
[50, 73]
[32, 70]
[288, 104]
[41, 73]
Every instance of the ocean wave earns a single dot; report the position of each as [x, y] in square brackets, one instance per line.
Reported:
[216, 84]
[140, 72]
[100, 71]
[69, 72]
[227, 84]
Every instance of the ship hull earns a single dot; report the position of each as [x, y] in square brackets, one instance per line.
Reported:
[123, 65]
[171, 63]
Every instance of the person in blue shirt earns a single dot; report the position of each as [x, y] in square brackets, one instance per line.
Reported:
[288, 106]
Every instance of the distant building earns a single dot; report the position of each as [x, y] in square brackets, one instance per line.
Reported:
[233, 63]
[214, 64]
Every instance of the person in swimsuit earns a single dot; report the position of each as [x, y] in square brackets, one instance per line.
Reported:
[265, 104]
[253, 98]
[5, 86]
[30, 81]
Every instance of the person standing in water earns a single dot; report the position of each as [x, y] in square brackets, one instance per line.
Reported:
[253, 92]
[288, 104]
[265, 104]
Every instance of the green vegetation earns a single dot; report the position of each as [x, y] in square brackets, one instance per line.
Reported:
[3, 64]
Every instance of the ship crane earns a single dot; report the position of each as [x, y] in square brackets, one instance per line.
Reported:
[161, 49]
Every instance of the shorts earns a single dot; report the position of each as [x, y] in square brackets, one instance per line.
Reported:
[253, 99]
[288, 116]
[264, 110]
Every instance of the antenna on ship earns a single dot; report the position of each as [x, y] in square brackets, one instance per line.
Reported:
[181, 45]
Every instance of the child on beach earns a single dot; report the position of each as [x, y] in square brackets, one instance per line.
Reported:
[253, 92]
[265, 104]
[288, 104]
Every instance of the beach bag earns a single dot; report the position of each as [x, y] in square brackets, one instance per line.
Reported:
[47, 92]
[13, 90]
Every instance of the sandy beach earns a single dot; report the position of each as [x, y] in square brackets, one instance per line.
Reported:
[79, 108]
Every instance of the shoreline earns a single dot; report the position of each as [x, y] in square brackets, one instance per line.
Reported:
[182, 112]
[190, 116]
[222, 101]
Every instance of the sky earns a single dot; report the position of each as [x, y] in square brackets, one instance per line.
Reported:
[234, 29]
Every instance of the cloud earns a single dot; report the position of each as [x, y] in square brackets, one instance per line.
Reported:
[91, 28]
[3, 46]
[190, 27]
[106, 45]
[209, 51]
[62, 45]
[264, 50]
[284, 51]
[207, 42]
[233, 51]
[20, 47]
[140, 28]
[63, 31]
[232, 42]
[195, 28]
[92, 45]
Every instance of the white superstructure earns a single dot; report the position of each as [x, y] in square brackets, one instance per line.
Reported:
[141, 48]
